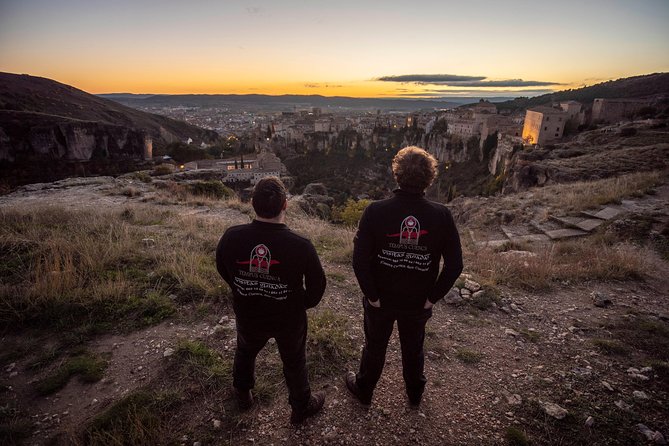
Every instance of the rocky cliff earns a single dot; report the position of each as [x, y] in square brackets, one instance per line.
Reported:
[44, 123]
[26, 136]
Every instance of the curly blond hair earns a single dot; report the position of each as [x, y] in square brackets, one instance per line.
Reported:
[414, 169]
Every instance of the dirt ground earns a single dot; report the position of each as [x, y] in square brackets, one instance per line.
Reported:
[541, 350]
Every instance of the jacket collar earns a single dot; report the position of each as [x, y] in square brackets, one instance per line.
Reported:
[266, 225]
[401, 193]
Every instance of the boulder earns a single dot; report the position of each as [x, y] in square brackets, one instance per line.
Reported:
[554, 410]
[315, 189]
[315, 201]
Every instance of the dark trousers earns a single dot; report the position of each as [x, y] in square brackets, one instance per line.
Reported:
[378, 328]
[291, 337]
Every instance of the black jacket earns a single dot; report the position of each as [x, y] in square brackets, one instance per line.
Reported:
[398, 247]
[274, 273]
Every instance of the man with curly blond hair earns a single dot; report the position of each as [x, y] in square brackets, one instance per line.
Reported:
[397, 251]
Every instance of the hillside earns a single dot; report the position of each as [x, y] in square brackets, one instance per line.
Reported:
[24, 93]
[630, 87]
[117, 329]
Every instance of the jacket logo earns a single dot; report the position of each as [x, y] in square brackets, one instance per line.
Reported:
[410, 231]
[261, 260]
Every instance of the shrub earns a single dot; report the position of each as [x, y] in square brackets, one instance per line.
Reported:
[468, 356]
[143, 176]
[213, 188]
[163, 169]
[351, 211]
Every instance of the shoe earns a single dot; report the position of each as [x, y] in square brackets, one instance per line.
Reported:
[315, 405]
[352, 387]
[414, 401]
[244, 399]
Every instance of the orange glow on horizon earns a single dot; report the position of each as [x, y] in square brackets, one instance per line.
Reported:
[147, 84]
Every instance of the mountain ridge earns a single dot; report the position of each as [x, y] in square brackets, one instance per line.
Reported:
[26, 93]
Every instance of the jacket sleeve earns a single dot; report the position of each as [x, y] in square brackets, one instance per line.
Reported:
[452, 255]
[363, 254]
[220, 264]
[314, 278]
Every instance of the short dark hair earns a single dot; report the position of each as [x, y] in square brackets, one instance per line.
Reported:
[414, 169]
[269, 195]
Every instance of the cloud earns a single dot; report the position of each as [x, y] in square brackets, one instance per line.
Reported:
[496, 91]
[455, 80]
[430, 78]
[505, 83]
[253, 10]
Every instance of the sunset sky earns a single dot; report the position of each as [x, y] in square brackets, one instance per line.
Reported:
[334, 48]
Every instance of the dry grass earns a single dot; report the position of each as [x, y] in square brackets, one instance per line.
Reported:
[333, 243]
[557, 199]
[582, 195]
[97, 266]
[60, 267]
[569, 261]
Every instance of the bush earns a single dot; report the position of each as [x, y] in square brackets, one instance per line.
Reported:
[213, 188]
[163, 169]
[351, 211]
[143, 176]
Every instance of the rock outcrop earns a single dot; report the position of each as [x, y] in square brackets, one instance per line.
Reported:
[66, 140]
[315, 200]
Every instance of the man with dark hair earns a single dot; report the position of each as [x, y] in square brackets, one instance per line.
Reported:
[275, 275]
[397, 250]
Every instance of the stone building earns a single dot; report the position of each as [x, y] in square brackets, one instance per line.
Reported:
[465, 128]
[505, 125]
[543, 125]
[614, 110]
[266, 164]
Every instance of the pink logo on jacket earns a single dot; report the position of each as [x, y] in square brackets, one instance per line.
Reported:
[410, 231]
[260, 260]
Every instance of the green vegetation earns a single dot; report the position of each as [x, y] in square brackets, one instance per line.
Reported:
[485, 300]
[530, 335]
[198, 361]
[631, 87]
[142, 176]
[610, 347]
[468, 356]
[137, 419]
[213, 189]
[89, 368]
[350, 212]
[164, 169]
[329, 346]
